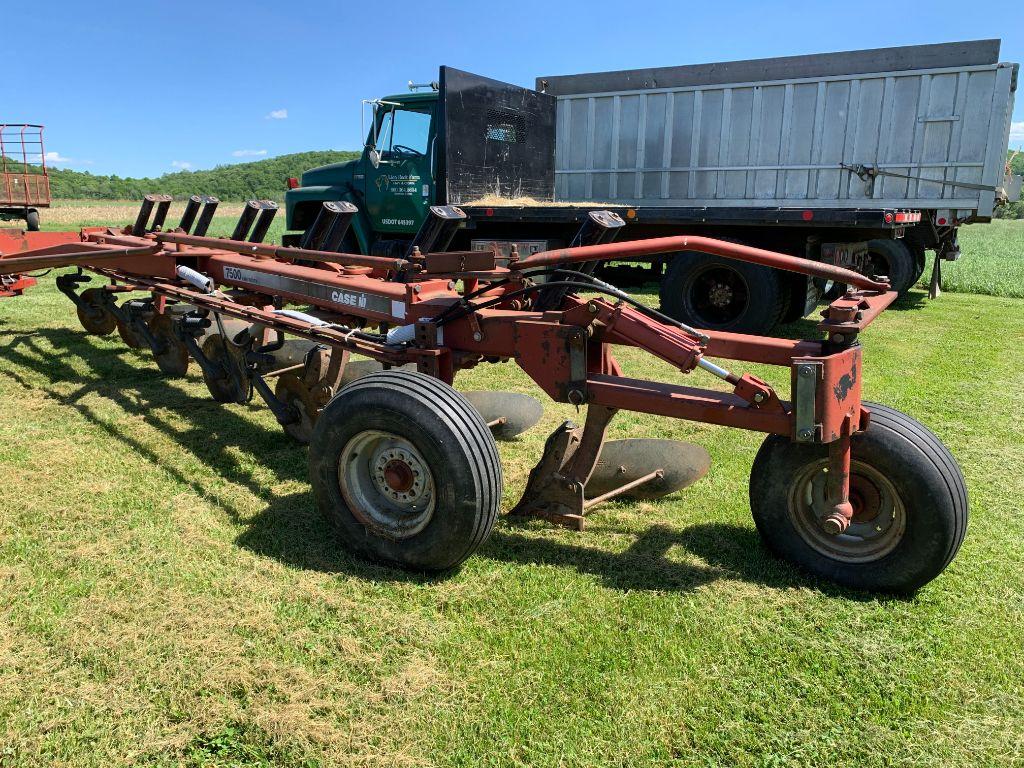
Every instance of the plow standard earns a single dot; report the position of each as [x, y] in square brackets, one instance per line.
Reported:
[407, 467]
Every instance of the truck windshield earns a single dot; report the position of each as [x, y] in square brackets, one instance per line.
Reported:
[404, 133]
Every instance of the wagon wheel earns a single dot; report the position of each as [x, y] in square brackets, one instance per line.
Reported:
[171, 354]
[293, 392]
[407, 470]
[32, 220]
[908, 496]
[94, 314]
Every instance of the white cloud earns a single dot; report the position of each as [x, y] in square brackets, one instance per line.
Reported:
[57, 157]
[249, 153]
[1017, 131]
[182, 164]
[278, 114]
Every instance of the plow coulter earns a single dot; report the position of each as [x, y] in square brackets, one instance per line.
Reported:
[407, 467]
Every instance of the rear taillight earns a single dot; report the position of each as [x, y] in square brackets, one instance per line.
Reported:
[293, 183]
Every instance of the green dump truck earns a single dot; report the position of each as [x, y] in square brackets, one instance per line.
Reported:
[868, 159]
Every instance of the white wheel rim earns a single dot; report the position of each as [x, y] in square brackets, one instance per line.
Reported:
[880, 516]
[387, 484]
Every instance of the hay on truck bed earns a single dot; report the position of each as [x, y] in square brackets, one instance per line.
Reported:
[497, 201]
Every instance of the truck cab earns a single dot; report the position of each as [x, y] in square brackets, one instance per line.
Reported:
[454, 141]
[392, 182]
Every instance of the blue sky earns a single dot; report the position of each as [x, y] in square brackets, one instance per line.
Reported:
[142, 88]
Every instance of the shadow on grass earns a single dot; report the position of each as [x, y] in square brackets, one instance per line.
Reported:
[212, 433]
[291, 530]
[288, 529]
[725, 551]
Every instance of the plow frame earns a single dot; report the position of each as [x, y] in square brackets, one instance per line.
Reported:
[566, 351]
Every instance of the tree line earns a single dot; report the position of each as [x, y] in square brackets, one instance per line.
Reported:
[1013, 210]
[263, 180]
[267, 180]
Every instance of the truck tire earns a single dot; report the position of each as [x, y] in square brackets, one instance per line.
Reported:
[920, 262]
[407, 471]
[32, 220]
[908, 495]
[721, 294]
[894, 259]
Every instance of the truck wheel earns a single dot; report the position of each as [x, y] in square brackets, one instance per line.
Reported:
[32, 220]
[920, 262]
[908, 495]
[407, 470]
[893, 258]
[722, 294]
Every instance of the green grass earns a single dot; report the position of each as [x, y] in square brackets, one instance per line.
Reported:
[171, 597]
[992, 262]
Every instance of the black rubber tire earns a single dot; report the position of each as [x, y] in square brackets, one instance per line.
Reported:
[922, 471]
[455, 444]
[32, 220]
[894, 259]
[683, 287]
[920, 262]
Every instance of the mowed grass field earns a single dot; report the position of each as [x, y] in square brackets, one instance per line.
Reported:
[171, 596]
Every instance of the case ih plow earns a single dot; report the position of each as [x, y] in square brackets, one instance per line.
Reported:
[407, 467]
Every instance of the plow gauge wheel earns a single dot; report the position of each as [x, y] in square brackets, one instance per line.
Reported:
[909, 505]
[407, 470]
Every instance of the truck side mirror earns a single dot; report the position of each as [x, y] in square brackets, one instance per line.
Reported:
[374, 156]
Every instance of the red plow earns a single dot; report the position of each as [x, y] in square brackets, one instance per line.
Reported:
[407, 467]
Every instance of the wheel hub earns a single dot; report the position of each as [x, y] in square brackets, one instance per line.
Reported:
[399, 475]
[720, 295]
[386, 483]
[879, 515]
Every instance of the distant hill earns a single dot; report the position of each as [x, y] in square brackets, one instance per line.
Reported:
[263, 179]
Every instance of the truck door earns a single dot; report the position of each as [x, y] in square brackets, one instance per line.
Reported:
[398, 190]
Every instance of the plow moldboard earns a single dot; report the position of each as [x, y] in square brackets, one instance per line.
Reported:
[623, 461]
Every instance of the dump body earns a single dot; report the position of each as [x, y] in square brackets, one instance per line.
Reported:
[780, 131]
